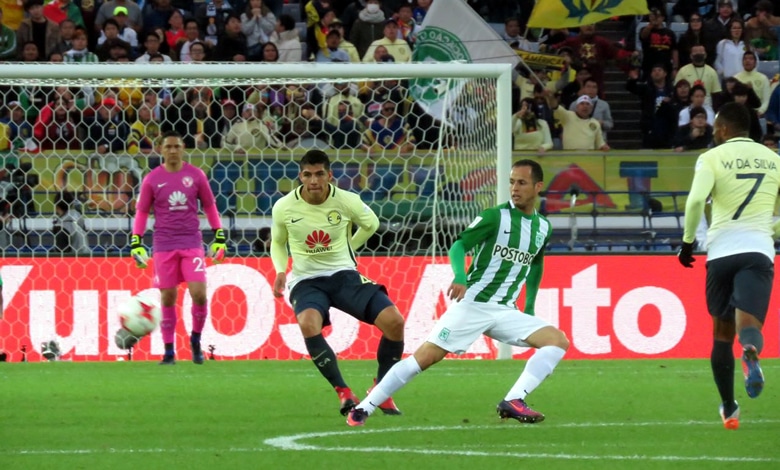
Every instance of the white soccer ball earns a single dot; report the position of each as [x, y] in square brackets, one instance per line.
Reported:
[140, 315]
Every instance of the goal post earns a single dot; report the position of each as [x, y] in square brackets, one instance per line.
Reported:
[423, 194]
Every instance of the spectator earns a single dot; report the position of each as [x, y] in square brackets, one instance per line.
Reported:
[211, 16]
[228, 118]
[332, 52]
[755, 80]
[36, 28]
[377, 93]
[191, 36]
[513, 35]
[682, 97]
[684, 10]
[315, 10]
[55, 127]
[269, 53]
[152, 47]
[369, 27]
[107, 130]
[658, 121]
[107, 10]
[342, 92]
[19, 128]
[717, 28]
[287, 40]
[7, 41]
[58, 11]
[123, 32]
[192, 119]
[232, 44]
[570, 91]
[730, 51]
[317, 33]
[257, 24]
[692, 36]
[79, 53]
[110, 39]
[347, 46]
[145, 132]
[699, 73]
[13, 10]
[659, 45]
[773, 111]
[770, 140]
[407, 27]
[174, 34]
[698, 100]
[252, 133]
[421, 10]
[388, 131]
[580, 131]
[741, 93]
[30, 52]
[68, 227]
[345, 131]
[591, 50]
[67, 29]
[763, 31]
[156, 13]
[695, 135]
[530, 132]
[600, 110]
[398, 48]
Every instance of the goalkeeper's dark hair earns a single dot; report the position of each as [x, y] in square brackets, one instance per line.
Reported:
[315, 157]
[736, 117]
[536, 169]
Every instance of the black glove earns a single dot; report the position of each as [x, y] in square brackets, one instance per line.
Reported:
[685, 255]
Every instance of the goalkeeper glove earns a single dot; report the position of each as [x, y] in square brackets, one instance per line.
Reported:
[685, 255]
[218, 246]
[138, 252]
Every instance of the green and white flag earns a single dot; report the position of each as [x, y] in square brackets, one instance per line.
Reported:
[453, 31]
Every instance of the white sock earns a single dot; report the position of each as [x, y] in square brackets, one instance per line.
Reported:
[538, 368]
[398, 375]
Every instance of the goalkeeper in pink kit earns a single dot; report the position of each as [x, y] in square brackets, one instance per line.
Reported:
[173, 190]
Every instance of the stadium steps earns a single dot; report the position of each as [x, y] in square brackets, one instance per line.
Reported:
[625, 106]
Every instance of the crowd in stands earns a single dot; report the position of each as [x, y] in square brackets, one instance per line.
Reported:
[679, 76]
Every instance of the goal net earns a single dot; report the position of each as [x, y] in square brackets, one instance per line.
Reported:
[427, 146]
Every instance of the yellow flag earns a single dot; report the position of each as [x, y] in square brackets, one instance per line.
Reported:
[573, 13]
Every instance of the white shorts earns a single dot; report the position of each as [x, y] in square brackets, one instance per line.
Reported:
[464, 321]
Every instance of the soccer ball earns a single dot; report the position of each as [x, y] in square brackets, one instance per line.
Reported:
[139, 316]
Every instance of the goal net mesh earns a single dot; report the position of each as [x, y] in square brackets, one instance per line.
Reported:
[421, 152]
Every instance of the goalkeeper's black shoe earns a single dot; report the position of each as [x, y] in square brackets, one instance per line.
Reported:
[168, 360]
[197, 352]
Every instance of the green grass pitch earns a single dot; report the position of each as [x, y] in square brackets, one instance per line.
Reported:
[648, 414]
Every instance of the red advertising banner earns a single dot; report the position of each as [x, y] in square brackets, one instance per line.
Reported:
[611, 307]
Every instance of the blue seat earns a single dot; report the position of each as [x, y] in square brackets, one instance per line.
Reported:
[346, 175]
[425, 179]
[381, 180]
[267, 174]
[223, 184]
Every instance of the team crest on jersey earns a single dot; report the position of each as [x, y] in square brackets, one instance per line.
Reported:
[187, 181]
[444, 334]
[539, 239]
[334, 217]
[592, 126]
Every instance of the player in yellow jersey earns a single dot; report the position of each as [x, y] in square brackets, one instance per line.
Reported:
[743, 178]
[315, 222]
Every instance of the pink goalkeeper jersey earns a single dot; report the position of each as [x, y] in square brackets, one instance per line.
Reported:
[173, 197]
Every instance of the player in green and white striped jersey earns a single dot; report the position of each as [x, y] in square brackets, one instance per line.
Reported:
[508, 242]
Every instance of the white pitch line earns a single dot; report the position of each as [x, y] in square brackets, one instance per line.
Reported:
[291, 443]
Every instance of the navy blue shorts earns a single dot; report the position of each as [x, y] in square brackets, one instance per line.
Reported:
[742, 281]
[346, 290]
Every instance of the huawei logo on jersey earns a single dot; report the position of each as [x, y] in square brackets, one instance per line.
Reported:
[177, 201]
[318, 242]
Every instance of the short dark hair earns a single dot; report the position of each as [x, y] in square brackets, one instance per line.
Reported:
[735, 116]
[696, 110]
[108, 22]
[315, 157]
[170, 133]
[31, 3]
[765, 6]
[287, 22]
[536, 169]
[697, 88]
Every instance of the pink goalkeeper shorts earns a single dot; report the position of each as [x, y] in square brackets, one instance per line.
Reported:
[171, 268]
